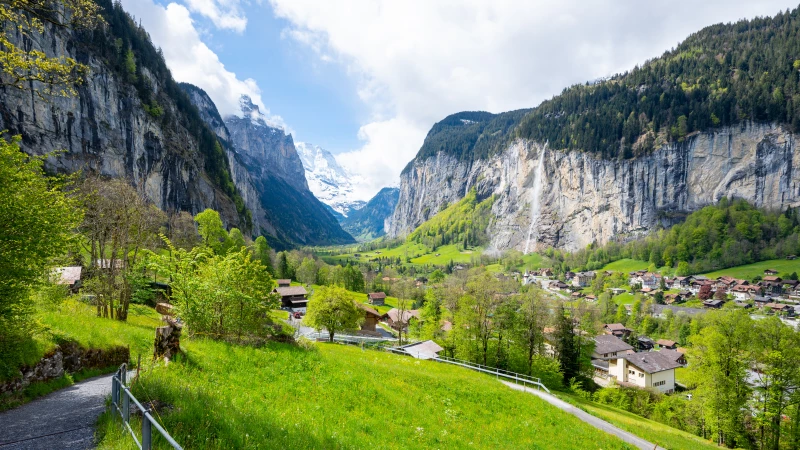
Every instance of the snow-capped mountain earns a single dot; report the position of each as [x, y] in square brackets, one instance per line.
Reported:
[331, 183]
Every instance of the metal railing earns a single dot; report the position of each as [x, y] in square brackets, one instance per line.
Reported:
[121, 398]
[518, 377]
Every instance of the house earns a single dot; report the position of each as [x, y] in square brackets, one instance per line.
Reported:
[616, 329]
[371, 317]
[576, 294]
[778, 307]
[658, 310]
[682, 282]
[547, 272]
[761, 301]
[423, 350]
[376, 298]
[583, 279]
[600, 371]
[677, 356]
[770, 272]
[69, 276]
[618, 291]
[609, 346]
[772, 285]
[645, 344]
[666, 343]
[672, 298]
[745, 291]
[591, 298]
[742, 304]
[716, 304]
[284, 282]
[394, 319]
[292, 296]
[654, 370]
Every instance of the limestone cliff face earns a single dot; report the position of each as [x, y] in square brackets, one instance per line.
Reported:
[582, 199]
[105, 129]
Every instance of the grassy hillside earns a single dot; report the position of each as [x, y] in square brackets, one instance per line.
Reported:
[655, 432]
[333, 396]
[750, 271]
[626, 265]
[464, 222]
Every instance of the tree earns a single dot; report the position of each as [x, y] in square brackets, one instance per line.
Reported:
[332, 309]
[567, 345]
[211, 230]
[284, 268]
[531, 318]
[261, 252]
[437, 276]
[307, 272]
[22, 66]
[37, 223]
[432, 317]
[483, 289]
[704, 293]
[181, 230]
[235, 241]
[353, 279]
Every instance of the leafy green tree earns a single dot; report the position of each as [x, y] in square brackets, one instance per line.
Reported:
[261, 252]
[331, 308]
[284, 268]
[531, 318]
[211, 230]
[235, 241]
[353, 279]
[36, 227]
[432, 317]
[437, 276]
[307, 272]
[567, 345]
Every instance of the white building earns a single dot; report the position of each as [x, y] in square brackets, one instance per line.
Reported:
[655, 370]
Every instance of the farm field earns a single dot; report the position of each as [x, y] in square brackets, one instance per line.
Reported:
[750, 271]
[326, 396]
[626, 265]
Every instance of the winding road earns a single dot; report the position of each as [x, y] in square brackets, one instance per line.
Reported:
[64, 419]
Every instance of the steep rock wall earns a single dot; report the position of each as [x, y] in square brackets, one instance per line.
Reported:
[584, 199]
[105, 129]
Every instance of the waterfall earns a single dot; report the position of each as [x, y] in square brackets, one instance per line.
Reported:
[536, 201]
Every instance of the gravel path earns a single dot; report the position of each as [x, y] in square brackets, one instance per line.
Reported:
[588, 418]
[64, 419]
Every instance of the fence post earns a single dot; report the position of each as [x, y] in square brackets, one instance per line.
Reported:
[146, 432]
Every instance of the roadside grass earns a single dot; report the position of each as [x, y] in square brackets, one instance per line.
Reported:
[750, 271]
[626, 265]
[655, 432]
[335, 396]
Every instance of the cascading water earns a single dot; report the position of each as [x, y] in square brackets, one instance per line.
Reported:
[536, 201]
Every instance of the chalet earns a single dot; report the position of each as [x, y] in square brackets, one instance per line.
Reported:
[742, 304]
[761, 301]
[654, 370]
[576, 294]
[608, 346]
[591, 298]
[559, 285]
[666, 343]
[617, 291]
[547, 272]
[616, 329]
[394, 319]
[423, 350]
[745, 291]
[583, 279]
[376, 298]
[682, 282]
[284, 282]
[677, 356]
[772, 285]
[292, 296]
[713, 303]
[68, 276]
[569, 275]
[646, 280]
[672, 298]
[770, 272]
[778, 307]
[644, 344]
[371, 317]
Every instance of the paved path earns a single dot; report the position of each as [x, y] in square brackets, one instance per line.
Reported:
[64, 419]
[588, 418]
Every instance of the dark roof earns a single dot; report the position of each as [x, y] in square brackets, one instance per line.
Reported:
[659, 309]
[600, 363]
[606, 343]
[291, 290]
[654, 362]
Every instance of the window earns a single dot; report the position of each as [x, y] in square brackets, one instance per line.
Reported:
[659, 383]
[641, 375]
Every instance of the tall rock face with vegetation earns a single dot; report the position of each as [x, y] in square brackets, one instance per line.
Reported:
[268, 173]
[129, 120]
[716, 117]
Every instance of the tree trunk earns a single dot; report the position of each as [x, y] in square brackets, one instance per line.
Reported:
[331, 336]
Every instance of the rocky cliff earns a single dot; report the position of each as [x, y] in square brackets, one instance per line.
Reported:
[268, 173]
[331, 183]
[107, 128]
[369, 222]
[568, 200]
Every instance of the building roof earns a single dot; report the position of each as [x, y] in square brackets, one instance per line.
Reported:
[616, 327]
[653, 362]
[394, 314]
[368, 310]
[674, 354]
[283, 281]
[665, 343]
[423, 350]
[68, 275]
[377, 295]
[288, 291]
[606, 343]
[601, 364]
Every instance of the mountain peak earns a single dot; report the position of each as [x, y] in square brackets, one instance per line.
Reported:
[331, 183]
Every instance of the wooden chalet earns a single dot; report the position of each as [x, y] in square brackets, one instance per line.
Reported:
[292, 296]
[283, 282]
[376, 298]
[371, 317]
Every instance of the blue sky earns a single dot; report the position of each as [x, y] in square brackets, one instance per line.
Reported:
[367, 79]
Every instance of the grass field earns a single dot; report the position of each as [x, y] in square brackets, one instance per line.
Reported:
[750, 271]
[339, 397]
[626, 265]
[655, 432]
[624, 299]
[419, 254]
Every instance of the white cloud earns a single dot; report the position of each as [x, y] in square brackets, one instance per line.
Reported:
[191, 61]
[416, 61]
[225, 14]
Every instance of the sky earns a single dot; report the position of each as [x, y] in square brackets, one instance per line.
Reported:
[366, 80]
